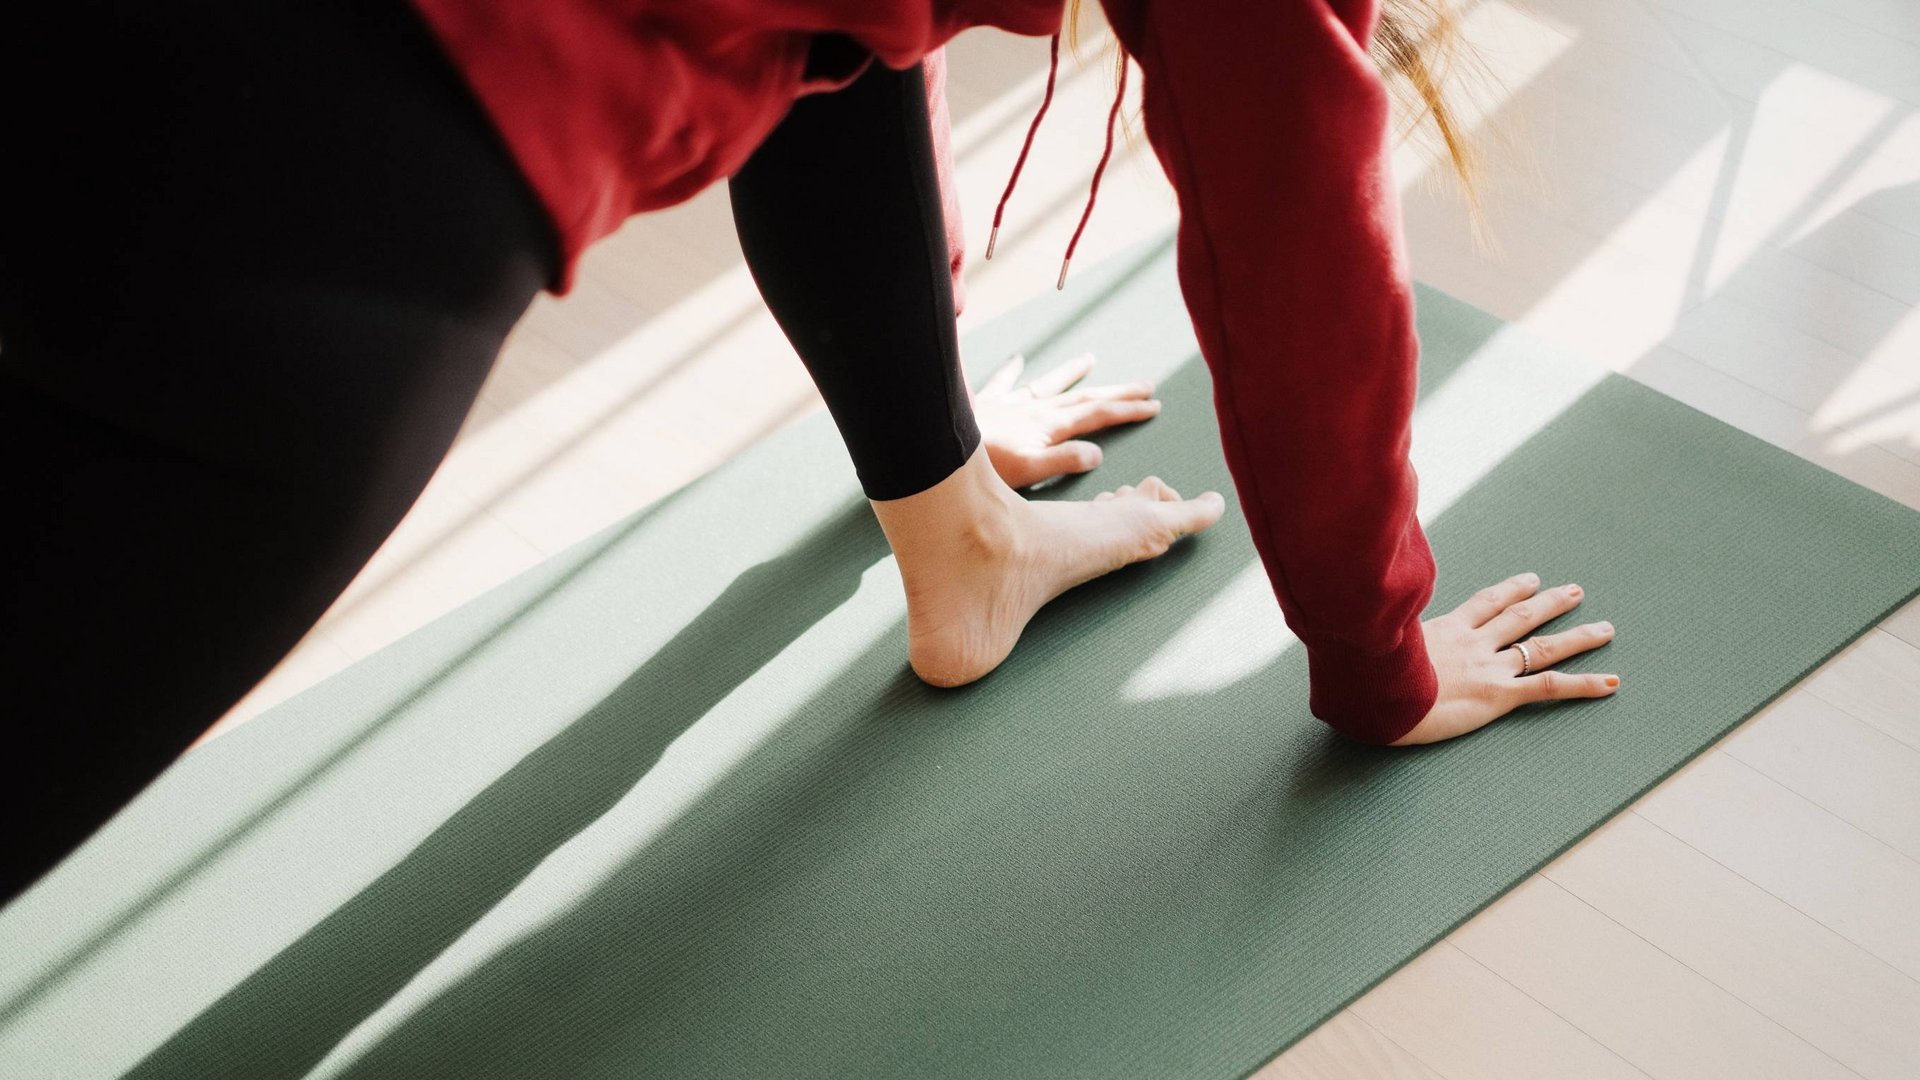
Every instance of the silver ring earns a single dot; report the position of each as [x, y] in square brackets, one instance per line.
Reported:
[1526, 658]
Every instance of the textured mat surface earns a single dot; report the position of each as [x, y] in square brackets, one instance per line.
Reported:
[672, 805]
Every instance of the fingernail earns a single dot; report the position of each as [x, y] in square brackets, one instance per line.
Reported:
[1529, 578]
[1613, 680]
[1602, 628]
[1573, 590]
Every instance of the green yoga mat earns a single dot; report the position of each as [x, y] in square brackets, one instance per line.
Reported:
[672, 805]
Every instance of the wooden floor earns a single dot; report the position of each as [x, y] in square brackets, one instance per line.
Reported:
[1720, 198]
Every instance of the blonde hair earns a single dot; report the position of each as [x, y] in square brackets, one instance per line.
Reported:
[1425, 58]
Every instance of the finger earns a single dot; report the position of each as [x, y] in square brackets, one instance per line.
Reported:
[1547, 650]
[1558, 685]
[1492, 600]
[1074, 456]
[1188, 516]
[1099, 415]
[1059, 379]
[1518, 620]
[1110, 392]
[1002, 381]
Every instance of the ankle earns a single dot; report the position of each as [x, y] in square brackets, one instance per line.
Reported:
[967, 516]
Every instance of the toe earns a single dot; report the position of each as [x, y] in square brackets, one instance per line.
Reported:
[1188, 516]
[1154, 488]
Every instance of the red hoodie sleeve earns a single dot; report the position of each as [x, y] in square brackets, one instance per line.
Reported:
[1273, 125]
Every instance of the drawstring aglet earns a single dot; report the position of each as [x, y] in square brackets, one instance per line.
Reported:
[1026, 147]
[1093, 189]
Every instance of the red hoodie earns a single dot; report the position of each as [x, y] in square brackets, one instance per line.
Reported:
[1272, 124]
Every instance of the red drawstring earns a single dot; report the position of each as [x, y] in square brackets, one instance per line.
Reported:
[1053, 69]
[1093, 192]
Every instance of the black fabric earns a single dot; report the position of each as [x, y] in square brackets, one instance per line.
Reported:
[839, 214]
[262, 260]
[259, 266]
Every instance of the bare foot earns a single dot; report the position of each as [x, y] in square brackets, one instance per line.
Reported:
[1032, 431]
[978, 560]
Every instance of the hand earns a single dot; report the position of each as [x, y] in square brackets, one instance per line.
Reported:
[1480, 678]
[1030, 431]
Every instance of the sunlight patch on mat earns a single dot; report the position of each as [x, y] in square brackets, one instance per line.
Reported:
[689, 769]
[1506, 393]
[1499, 398]
[1238, 632]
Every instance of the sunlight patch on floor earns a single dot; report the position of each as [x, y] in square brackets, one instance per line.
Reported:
[1806, 127]
[1875, 404]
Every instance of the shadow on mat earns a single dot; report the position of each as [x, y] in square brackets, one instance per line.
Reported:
[356, 959]
[285, 1017]
[1124, 270]
[680, 929]
[703, 952]
[601, 965]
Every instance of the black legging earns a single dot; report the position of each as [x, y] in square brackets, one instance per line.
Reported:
[839, 215]
[253, 271]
